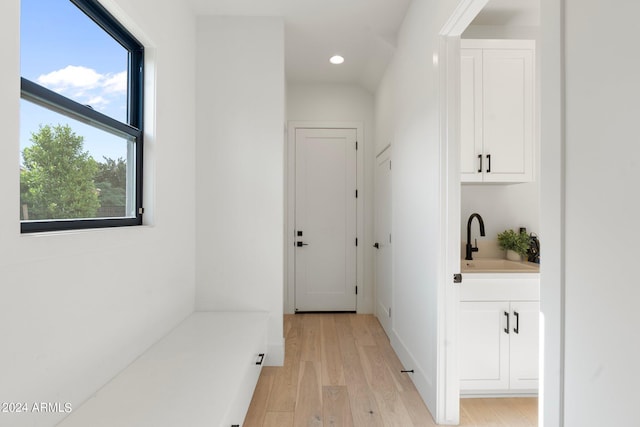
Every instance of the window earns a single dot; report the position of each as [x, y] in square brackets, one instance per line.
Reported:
[80, 118]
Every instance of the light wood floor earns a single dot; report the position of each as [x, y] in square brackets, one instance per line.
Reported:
[340, 370]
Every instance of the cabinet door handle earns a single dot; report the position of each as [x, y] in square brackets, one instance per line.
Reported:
[489, 160]
[506, 313]
[480, 158]
[517, 328]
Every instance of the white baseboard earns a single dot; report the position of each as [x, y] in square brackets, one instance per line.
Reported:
[418, 377]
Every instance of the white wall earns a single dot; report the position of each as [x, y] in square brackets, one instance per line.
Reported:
[588, 211]
[501, 207]
[240, 168]
[500, 32]
[342, 103]
[77, 307]
[407, 116]
[384, 109]
[602, 166]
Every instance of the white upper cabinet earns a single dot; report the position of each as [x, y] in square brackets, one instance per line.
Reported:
[471, 150]
[497, 110]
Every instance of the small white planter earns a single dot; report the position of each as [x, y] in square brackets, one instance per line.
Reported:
[513, 255]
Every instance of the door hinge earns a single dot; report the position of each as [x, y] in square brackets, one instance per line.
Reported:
[356, 145]
[356, 241]
[356, 290]
[457, 278]
[389, 311]
[356, 194]
[389, 164]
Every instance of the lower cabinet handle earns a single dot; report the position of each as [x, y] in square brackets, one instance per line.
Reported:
[480, 157]
[489, 160]
[506, 313]
[260, 359]
[517, 328]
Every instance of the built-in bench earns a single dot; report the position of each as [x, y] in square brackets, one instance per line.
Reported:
[203, 373]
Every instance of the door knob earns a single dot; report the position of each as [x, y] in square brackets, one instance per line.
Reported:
[376, 245]
[300, 244]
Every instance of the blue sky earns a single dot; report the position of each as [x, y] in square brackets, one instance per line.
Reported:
[65, 51]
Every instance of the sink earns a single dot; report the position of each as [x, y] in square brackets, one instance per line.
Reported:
[488, 265]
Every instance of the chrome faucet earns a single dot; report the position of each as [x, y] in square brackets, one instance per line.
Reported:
[471, 249]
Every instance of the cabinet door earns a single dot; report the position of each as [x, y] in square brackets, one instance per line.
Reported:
[470, 114]
[508, 114]
[524, 345]
[484, 346]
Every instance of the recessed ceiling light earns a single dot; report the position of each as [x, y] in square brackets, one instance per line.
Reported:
[336, 59]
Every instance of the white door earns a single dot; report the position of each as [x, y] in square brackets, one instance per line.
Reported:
[325, 217]
[383, 239]
[524, 345]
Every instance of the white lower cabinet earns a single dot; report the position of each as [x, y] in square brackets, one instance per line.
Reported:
[499, 347]
[523, 346]
[484, 346]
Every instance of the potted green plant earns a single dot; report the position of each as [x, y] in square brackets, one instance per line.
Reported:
[516, 244]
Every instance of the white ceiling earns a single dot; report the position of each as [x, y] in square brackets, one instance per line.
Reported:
[363, 31]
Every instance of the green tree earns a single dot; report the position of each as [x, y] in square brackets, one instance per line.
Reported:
[111, 181]
[57, 176]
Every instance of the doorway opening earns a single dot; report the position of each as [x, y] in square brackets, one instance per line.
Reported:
[471, 20]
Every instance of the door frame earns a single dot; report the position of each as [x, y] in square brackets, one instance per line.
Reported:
[290, 207]
[552, 201]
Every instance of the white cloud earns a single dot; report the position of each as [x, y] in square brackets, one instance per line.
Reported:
[116, 83]
[71, 77]
[98, 102]
[87, 86]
